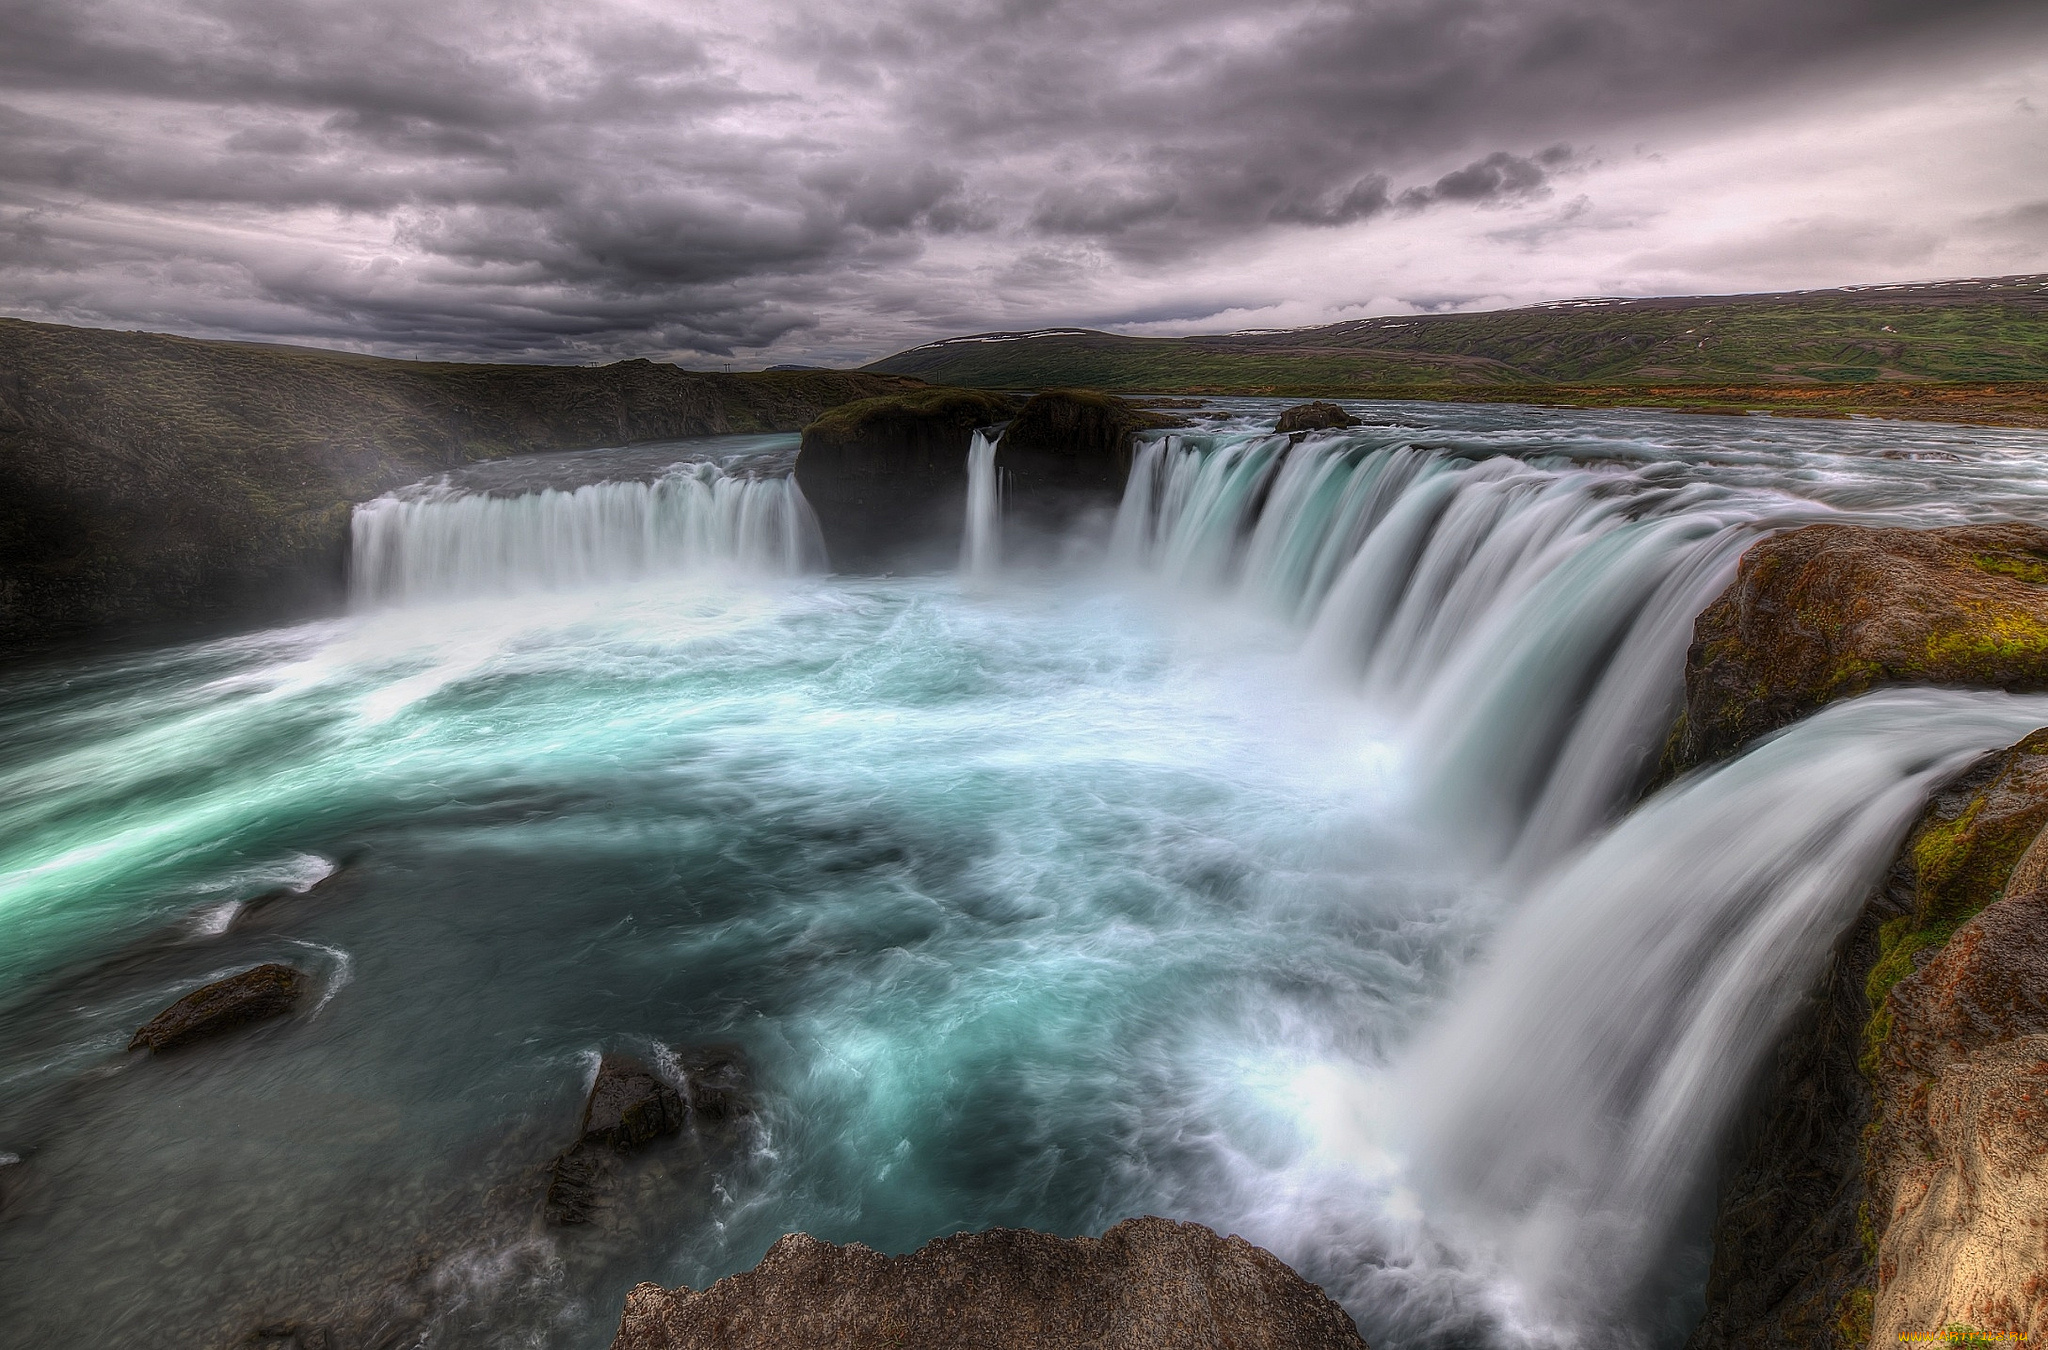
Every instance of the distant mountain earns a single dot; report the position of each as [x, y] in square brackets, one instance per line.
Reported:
[1987, 330]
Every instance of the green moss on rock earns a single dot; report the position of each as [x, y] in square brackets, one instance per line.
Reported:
[1832, 611]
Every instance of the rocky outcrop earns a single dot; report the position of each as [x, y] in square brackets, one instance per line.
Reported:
[1089, 432]
[1863, 1141]
[1958, 1161]
[631, 1106]
[1148, 1283]
[1317, 416]
[1878, 1183]
[144, 477]
[270, 990]
[888, 476]
[1830, 611]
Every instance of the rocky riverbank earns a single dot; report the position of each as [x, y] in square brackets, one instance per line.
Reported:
[146, 477]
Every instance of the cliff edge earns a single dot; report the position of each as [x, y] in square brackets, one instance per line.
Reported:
[144, 477]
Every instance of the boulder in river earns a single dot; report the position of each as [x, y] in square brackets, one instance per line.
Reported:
[269, 990]
[631, 1106]
[1149, 1283]
[1832, 611]
[1317, 416]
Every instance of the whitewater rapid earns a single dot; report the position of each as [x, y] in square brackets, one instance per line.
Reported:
[1274, 869]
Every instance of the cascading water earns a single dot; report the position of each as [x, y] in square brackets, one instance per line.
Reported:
[981, 543]
[442, 542]
[1523, 619]
[1564, 1117]
[1035, 905]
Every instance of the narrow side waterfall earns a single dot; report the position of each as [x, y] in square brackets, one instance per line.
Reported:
[438, 543]
[981, 543]
[1525, 621]
[1564, 1115]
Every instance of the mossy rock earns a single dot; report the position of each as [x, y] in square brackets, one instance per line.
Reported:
[1832, 611]
[1081, 424]
[894, 431]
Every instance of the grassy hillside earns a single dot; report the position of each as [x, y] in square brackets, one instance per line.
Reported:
[143, 476]
[1984, 332]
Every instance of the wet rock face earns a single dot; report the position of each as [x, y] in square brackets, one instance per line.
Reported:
[270, 990]
[1831, 611]
[630, 1107]
[888, 476]
[1089, 432]
[1318, 416]
[1148, 1283]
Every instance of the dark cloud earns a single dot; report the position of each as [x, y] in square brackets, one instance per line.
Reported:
[1500, 177]
[482, 177]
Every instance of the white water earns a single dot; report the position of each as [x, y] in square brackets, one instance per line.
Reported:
[1522, 620]
[1564, 1116]
[981, 543]
[443, 542]
[1273, 877]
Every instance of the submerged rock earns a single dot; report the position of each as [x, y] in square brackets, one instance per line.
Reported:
[631, 1106]
[628, 1105]
[1831, 611]
[1317, 416]
[270, 990]
[1148, 1282]
[889, 475]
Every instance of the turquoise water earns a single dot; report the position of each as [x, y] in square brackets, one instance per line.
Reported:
[1046, 900]
[1024, 910]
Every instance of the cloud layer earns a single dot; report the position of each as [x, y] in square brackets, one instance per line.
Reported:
[713, 180]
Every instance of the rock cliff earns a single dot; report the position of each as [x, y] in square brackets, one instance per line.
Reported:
[1831, 611]
[1888, 1180]
[888, 476]
[1148, 1283]
[144, 477]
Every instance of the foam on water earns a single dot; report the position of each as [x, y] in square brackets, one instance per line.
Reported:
[1268, 878]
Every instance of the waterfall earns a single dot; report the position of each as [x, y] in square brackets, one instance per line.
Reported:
[438, 542]
[1565, 1113]
[982, 541]
[1524, 620]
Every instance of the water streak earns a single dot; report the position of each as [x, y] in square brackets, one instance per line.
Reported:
[982, 541]
[442, 542]
[1565, 1114]
[1524, 619]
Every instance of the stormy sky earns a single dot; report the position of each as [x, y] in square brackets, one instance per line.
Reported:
[830, 180]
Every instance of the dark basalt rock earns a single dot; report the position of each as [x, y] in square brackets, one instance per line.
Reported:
[715, 1083]
[1149, 1283]
[1318, 416]
[628, 1105]
[888, 476]
[1088, 434]
[1832, 611]
[270, 990]
[631, 1106]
